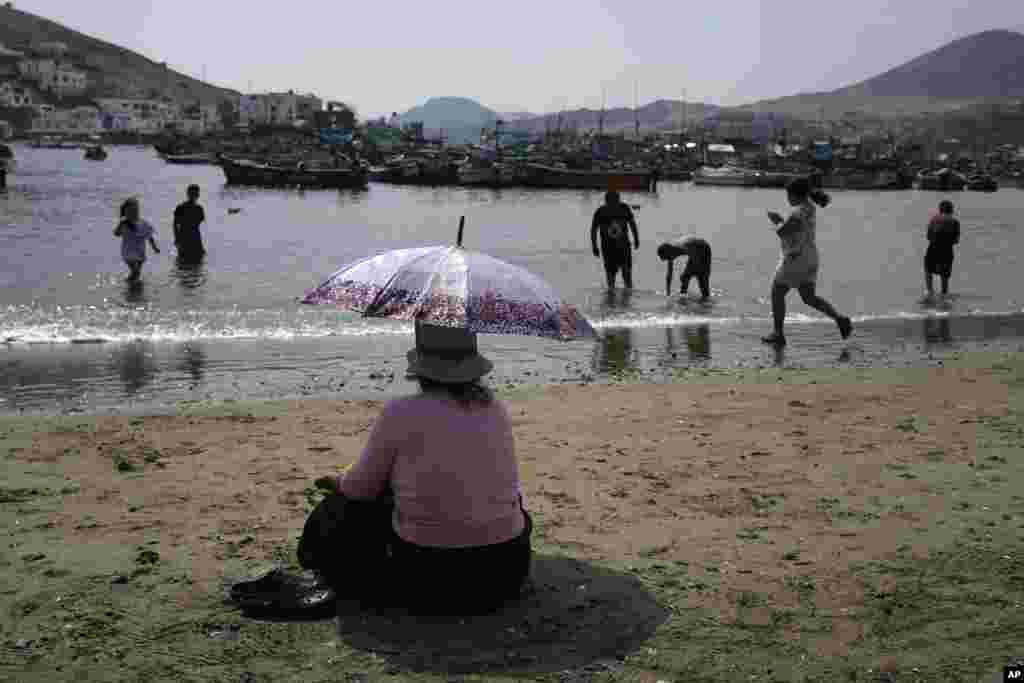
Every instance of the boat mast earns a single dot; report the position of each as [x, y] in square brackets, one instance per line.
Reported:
[600, 118]
[636, 107]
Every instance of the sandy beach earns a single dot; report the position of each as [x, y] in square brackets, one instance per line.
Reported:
[780, 525]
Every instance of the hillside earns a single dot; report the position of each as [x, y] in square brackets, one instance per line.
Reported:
[983, 67]
[113, 71]
[459, 117]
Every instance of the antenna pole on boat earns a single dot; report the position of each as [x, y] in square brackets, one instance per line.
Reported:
[462, 224]
[636, 107]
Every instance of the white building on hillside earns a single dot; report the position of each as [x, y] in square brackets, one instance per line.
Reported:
[200, 119]
[278, 109]
[85, 119]
[14, 95]
[139, 115]
[51, 49]
[37, 69]
[59, 77]
[64, 81]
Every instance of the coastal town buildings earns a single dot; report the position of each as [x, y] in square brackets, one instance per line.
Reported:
[82, 119]
[278, 109]
[58, 77]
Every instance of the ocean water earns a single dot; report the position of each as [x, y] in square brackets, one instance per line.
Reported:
[75, 336]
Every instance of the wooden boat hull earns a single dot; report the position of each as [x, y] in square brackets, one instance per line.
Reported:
[866, 181]
[549, 176]
[676, 176]
[262, 175]
[983, 185]
[398, 176]
[725, 180]
[194, 159]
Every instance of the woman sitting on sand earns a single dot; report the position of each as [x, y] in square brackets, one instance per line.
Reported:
[799, 265]
[433, 502]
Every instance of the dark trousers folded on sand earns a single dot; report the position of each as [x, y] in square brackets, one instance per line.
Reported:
[353, 545]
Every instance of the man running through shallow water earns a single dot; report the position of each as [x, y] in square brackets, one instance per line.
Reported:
[612, 220]
[698, 264]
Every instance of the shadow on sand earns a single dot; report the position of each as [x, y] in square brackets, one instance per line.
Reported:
[571, 615]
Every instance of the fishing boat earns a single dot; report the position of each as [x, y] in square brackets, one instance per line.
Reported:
[419, 170]
[540, 175]
[6, 159]
[864, 179]
[777, 179]
[982, 182]
[478, 173]
[945, 180]
[244, 172]
[95, 153]
[199, 158]
[51, 142]
[732, 176]
[675, 174]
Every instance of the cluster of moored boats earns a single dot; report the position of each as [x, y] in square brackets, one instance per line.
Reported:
[323, 168]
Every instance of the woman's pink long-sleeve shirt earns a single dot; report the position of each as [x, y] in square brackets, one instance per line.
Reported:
[452, 470]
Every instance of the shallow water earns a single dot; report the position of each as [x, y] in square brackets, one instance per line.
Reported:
[78, 335]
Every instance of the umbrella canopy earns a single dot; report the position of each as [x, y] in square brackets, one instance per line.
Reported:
[453, 287]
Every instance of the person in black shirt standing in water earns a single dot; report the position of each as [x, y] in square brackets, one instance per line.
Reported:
[943, 233]
[187, 218]
[611, 220]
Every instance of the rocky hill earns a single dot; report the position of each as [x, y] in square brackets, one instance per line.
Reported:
[986, 67]
[113, 71]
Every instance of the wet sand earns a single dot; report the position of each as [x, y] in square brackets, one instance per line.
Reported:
[765, 512]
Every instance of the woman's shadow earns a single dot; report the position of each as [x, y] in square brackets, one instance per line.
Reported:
[571, 614]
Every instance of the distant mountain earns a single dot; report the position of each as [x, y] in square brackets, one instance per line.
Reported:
[987, 66]
[516, 115]
[113, 71]
[661, 114]
[460, 118]
[983, 65]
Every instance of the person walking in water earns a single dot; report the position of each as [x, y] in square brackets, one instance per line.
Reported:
[698, 264]
[943, 233]
[612, 220]
[799, 265]
[187, 218]
[134, 233]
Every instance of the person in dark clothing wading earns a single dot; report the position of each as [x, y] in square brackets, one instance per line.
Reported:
[612, 220]
[943, 233]
[187, 218]
[698, 264]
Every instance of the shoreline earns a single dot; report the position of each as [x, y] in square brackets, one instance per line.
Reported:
[825, 522]
[153, 377]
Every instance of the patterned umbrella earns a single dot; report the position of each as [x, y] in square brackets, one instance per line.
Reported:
[449, 286]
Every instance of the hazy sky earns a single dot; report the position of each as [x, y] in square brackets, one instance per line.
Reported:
[391, 55]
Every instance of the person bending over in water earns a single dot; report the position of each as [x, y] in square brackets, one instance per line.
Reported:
[698, 264]
[134, 233]
[799, 265]
[611, 220]
[943, 233]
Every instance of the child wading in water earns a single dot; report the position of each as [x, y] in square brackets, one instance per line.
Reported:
[134, 233]
[799, 265]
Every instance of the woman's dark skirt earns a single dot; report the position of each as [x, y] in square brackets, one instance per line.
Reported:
[352, 544]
